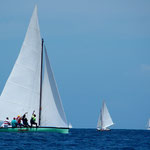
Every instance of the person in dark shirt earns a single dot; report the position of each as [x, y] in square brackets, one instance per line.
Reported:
[25, 120]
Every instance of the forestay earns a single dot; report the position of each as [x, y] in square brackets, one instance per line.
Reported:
[22, 89]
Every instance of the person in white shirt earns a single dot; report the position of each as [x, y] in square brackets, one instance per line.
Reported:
[6, 123]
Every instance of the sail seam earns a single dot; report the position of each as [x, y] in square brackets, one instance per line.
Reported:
[23, 87]
[16, 103]
[25, 44]
[25, 67]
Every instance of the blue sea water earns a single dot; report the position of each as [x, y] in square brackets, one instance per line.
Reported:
[77, 139]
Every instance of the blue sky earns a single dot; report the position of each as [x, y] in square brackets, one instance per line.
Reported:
[98, 50]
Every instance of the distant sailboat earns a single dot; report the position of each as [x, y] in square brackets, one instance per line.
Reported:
[70, 125]
[104, 120]
[148, 128]
[25, 91]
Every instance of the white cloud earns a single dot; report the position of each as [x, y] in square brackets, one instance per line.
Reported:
[145, 67]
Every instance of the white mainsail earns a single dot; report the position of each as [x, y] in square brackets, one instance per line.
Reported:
[104, 119]
[52, 113]
[22, 89]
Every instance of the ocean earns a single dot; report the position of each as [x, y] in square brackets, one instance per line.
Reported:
[77, 139]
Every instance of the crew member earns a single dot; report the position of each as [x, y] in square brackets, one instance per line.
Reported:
[6, 123]
[25, 120]
[14, 122]
[33, 119]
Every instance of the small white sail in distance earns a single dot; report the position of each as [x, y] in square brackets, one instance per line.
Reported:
[70, 125]
[104, 119]
[148, 124]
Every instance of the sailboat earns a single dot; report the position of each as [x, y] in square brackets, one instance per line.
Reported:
[104, 120]
[27, 91]
[70, 126]
[148, 128]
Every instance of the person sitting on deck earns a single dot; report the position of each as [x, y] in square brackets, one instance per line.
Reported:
[25, 120]
[33, 119]
[18, 119]
[14, 123]
[6, 123]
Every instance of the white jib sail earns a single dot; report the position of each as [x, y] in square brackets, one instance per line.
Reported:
[22, 89]
[104, 120]
[52, 113]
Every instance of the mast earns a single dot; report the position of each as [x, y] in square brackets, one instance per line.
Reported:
[40, 108]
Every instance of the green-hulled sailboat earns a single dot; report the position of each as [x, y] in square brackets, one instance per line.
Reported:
[26, 90]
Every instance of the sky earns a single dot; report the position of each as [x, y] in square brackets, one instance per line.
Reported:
[99, 50]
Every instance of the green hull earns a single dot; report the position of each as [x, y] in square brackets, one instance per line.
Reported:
[39, 129]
